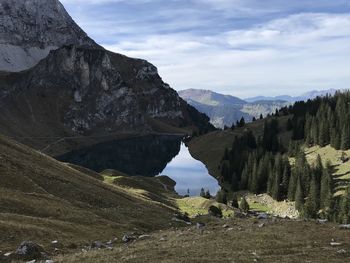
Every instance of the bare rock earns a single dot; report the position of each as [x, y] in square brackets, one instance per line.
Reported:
[29, 250]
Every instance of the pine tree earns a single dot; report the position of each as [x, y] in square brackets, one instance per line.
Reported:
[235, 202]
[326, 192]
[335, 139]
[234, 183]
[261, 117]
[202, 193]
[299, 196]
[311, 204]
[345, 138]
[276, 192]
[344, 216]
[207, 194]
[242, 122]
[285, 178]
[292, 187]
[289, 125]
[244, 206]
[221, 197]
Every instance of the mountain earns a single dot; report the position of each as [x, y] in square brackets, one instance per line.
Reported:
[223, 110]
[303, 97]
[30, 29]
[210, 98]
[79, 90]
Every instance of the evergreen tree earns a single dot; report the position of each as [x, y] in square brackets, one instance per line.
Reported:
[202, 193]
[345, 138]
[292, 187]
[235, 202]
[299, 196]
[207, 194]
[326, 192]
[344, 216]
[221, 197]
[234, 183]
[289, 125]
[261, 117]
[311, 204]
[244, 206]
[242, 122]
[335, 138]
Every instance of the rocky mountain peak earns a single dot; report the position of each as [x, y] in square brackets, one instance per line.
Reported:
[29, 29]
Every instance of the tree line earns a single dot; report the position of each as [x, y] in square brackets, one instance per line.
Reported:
[262, 163]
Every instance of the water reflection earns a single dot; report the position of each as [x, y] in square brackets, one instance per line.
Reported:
[189, 174]
[149, 155]
[144, 155]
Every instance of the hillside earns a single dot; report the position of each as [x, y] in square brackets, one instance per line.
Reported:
[299, 154]
[44, 200]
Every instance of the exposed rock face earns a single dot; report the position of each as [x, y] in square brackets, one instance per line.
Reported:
[93, 87]
[29, 29]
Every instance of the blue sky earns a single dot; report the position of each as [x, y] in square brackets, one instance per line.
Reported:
[238, 47]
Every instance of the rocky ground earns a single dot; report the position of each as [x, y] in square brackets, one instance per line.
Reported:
[240, 238]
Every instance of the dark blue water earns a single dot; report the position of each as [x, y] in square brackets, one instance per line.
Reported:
[189, 174]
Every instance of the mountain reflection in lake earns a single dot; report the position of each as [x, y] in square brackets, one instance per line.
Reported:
[190, 174]
[148, 155]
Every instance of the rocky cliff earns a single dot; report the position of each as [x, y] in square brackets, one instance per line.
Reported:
[29, 29]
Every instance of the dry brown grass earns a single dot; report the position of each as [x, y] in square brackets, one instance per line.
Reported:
[42, 200]
[243, 241]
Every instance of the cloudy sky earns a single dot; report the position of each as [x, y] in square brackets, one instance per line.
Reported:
[238, 47]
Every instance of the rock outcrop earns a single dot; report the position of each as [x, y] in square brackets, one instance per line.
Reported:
[29, 29]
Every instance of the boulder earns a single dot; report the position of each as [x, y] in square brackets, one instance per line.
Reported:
[200, 225]
[262, 216]
[128, 238]
[183, 217]
[347, 226]
[29, 250]
[97, 245]
[143, 237]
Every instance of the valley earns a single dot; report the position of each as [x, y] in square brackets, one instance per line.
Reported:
[101, 160]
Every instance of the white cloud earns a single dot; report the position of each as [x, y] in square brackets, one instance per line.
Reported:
[299, 52]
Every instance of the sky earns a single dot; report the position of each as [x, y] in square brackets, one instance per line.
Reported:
[239, 47]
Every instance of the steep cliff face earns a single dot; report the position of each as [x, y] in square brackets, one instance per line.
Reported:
[81, 91]
[29, 29]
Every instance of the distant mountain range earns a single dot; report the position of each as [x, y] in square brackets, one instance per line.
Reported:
[226, 109]
[305, 96]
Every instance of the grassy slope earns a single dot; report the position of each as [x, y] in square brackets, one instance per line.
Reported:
[242, 241]
[341, 170]
[42, 200]
[194, 206]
